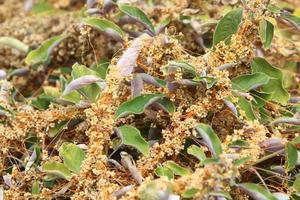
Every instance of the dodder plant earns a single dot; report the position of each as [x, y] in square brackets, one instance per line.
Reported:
[158, 118]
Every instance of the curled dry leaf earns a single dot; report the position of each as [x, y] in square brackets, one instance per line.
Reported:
[80, 83]
[127, 62]
[128, 162]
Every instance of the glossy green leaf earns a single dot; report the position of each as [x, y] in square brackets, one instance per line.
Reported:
[137, 105]
[131, 136]
[164, 171]
[266, 32]
[41, 55]
[138, 15]
[246, 107]
[197, 152]
[57, 169]
[275, 85]
[176, 169]
[248, 82]
[72, 156]
[14, 43]
[210, 138]
[189, 193]
[228, 26]
[256, 192]
[92, 91]
[291, 156]
[105, 26]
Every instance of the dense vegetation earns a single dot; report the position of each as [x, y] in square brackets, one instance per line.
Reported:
[149, 99]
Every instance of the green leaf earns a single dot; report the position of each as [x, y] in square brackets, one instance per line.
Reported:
[72, 156]
[226, 195]
[256, 192]
[260, 98]
[58, 127]
[81, 82]
[176, 169]
[131, 136]
[296, 184]
[150, 192]
[181, 64]
[209, 161]
[291, 156]
[73, 97]
[273, 9]
[275, 85]
[266, 32]
[265, 115]
[102, 67]
[197, 152]
[137, 105]
[239, 144]
[41, 55]
[35, 189]
[41, 102]
[189, 193]
[138, 15]
[167, 105]
[92, 91]
[241, 161]
[164, 171]
[51, 91]
[105, 26]
[209, 81]
[42, 8]
[248, 82]
[247, 107]
[14, 43]
[228, 25]
[210, 138]
[296, 140]
[295, 21]
[57, 169]
[162, 24]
